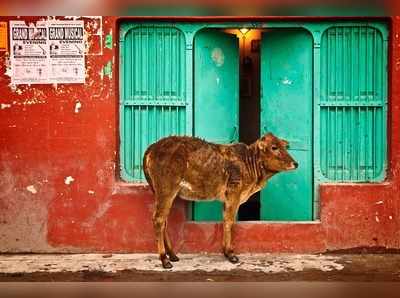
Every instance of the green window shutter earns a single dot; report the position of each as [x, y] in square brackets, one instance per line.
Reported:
[353, 104]
[152, 91]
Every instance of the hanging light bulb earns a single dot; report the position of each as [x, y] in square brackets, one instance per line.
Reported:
[244, 30]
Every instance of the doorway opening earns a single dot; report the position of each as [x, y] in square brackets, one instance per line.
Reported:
[248, 82]
[249, 103]
[227, 93]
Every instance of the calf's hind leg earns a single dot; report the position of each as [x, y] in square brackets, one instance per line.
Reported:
[161, 212]
[168, 245]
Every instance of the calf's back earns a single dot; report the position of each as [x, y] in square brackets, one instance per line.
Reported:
[188, 166]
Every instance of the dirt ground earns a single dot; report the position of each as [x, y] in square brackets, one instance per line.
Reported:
[200, 267]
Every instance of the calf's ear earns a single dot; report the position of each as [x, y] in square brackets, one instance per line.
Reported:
[263, 143]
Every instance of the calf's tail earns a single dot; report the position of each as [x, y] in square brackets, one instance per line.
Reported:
[146, 169]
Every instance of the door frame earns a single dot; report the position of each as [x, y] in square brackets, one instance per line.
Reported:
[316, 27]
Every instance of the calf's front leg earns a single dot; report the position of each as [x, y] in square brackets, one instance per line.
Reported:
[231, 207]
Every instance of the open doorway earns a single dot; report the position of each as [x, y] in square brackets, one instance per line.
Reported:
[227, 99]
[249, 103]
[247, 83]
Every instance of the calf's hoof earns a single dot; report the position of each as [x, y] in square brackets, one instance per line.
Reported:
[173, 258]
[165, 262]
[231, 257]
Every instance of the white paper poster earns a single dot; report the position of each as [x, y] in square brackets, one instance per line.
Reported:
[29, 53]
[67, 58]
[47, 52]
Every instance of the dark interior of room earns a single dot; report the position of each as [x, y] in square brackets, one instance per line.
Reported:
[249, 107]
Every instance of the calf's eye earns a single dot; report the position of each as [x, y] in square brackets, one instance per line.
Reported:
[274, 148]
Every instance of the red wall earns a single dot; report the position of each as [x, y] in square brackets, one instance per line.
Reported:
[43, 141]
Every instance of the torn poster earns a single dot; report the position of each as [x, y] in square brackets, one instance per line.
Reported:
[67, 46]
[29, 53]
[47, 52]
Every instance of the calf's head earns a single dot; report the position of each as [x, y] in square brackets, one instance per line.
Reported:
[274, 155]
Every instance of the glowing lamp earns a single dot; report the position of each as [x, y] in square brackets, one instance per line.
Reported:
[244, 30]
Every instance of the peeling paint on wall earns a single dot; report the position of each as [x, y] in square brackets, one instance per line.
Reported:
[109, 40]
[5, 106]
[107, 69]
[93, 35]
[68, 180]
[78, 106]
[31, 189]
[32, 101]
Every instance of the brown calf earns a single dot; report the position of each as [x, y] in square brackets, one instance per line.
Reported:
[194, 169]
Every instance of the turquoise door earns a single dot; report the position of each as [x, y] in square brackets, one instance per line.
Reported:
[286, 111]
[216, 99]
